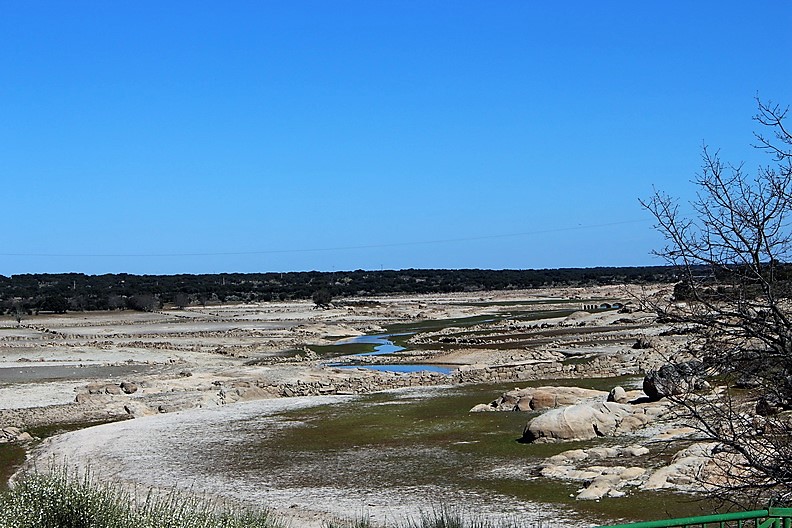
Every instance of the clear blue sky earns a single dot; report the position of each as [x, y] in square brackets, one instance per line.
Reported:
[202, 137]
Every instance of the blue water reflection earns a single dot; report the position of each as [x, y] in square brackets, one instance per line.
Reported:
[402, 368]
[384, 346]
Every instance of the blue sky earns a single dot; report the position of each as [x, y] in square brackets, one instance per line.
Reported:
[203, 137]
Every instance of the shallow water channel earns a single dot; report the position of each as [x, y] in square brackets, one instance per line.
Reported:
[396, 338]
[382, 346]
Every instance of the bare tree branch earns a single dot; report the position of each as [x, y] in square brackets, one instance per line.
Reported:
[733, 262]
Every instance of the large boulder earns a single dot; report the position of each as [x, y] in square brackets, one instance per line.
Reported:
[92, 399]
[618, 395]
[590, 420]
[539, 399]
[577, 422]
[675, 379]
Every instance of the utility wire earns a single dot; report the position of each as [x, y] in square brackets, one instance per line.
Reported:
[313, 250]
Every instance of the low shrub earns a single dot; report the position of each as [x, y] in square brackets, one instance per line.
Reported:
[63, 500]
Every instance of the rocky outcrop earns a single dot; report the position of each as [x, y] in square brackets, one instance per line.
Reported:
[675, 379]
[600, 480]
[539, 399]
[590, 420]
[699, 467]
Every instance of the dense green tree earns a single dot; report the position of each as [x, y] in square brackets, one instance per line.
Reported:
[322, 298]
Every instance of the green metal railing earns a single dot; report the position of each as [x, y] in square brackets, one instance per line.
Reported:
[769, 518]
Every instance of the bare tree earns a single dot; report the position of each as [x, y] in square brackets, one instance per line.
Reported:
[733, 260]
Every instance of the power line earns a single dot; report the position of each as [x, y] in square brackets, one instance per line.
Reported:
[315, 250]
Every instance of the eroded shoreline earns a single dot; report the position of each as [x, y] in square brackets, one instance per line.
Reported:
[217, 356]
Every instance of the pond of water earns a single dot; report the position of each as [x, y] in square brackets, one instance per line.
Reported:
[382, 346]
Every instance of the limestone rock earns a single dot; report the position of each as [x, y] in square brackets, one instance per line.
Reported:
[635, 450]
[540, 398]
[567, 457]
[95, 388]
[632, 473]
[571, 473]
[684, 468]
[674, 433]
[618, 395]
[599, 487]
[577, 422]
[574, 456]
[246, 394]
[10, 432]
[603, 480]
[590, 420]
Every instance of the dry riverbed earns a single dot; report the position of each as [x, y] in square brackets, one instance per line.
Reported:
[201, 394]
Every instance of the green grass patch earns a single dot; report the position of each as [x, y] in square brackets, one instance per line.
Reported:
[45, 431]
[439, 324]
[12, 456]
[415, 439]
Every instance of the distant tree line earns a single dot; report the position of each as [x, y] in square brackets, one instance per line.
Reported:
[59, 293]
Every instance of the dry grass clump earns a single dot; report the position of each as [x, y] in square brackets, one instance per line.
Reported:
[63, 500]
[440, 517]
[60, 499]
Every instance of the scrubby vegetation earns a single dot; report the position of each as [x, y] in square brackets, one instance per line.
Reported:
[31, 293]
[63, 500]
[437, 518]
